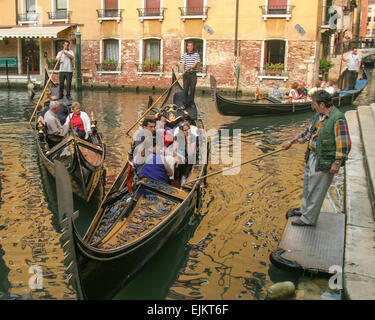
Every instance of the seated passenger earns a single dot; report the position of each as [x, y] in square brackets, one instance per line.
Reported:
[330, 88]
[184, 151]
[294, 96]
[55, 131]
[165, 132]
[186, 119]
[275, 93]
[302, 91]
[154, 164]
[79, 121]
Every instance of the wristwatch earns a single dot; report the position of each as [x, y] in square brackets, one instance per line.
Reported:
[338, 162]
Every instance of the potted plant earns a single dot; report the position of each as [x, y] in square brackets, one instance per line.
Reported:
[274, 68]
[324, 67]
[150, 65]
[109, 64]
[51, 63]
[200, 67]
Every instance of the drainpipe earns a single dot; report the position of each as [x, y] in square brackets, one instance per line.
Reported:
[16, 6]
[78, 60]
[236, 48]
[236, 31]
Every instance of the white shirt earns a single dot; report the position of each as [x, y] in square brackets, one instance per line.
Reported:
[66, 64]
[85, 119]
[331, 90]
[353, 60]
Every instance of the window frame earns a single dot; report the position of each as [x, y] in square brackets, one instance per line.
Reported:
[102, 54]
[54, 10]
[198, 16]
[286, 15]
[160, 17]
[141, 57]
[261, 73]
[25, 13]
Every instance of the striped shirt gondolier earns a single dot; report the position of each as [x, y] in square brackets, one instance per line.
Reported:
[190, 59]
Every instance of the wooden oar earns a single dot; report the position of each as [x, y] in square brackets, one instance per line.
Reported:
[149, 109]
[239, 165]
[44, 90]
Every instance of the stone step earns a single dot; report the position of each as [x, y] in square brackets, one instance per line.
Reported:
[366, 117]
[359, 256]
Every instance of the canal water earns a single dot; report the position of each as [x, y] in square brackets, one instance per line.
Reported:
[222, 253]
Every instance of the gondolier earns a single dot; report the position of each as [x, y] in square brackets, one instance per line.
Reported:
[66, 57]
[328, 148]
[190, 60]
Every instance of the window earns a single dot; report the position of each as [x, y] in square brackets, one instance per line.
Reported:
[368, 31]
[110, 11]
[277, 9]
[59, 11]
[370, 9]
[110, 57]
[277, 6]
[274, 51]
[194, 9]
[273, 59]
[29, 11]
[152, 7]
[61, 5]
[111, 50]
[30, 6]
[151, 56]
[110, 8]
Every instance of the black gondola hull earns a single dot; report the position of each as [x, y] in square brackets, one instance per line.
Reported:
[102, 274]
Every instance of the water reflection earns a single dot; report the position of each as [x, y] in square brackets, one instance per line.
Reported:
[222, 253]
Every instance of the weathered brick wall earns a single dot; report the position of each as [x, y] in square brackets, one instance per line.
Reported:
[219, 59]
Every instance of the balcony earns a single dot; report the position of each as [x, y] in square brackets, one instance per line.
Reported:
[193, 13]
[59, 16]
[150, 69]
[104, 68]
[151, 14]
[280, 12]
[109, 14]
[30, 17]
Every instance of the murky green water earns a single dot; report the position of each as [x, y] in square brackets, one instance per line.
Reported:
[223, 253]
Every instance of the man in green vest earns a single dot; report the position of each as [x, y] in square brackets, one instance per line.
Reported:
[328, 148]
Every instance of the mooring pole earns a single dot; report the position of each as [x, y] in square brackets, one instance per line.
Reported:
[78, 60]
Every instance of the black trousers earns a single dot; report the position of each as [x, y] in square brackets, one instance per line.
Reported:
[190, 81]
[62, 76]
[352, 79]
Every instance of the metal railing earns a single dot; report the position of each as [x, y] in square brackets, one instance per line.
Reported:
[193, 11]
[150, 68]
[150, 12]
[28, 16]
[108, 67]
[276, 10]
[109, 13]
[60, 14]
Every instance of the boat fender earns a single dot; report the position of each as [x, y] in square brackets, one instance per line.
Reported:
[281, 290]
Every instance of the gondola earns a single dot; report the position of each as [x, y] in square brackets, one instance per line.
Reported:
[83, 159]
[267, 106]
[129, 228]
